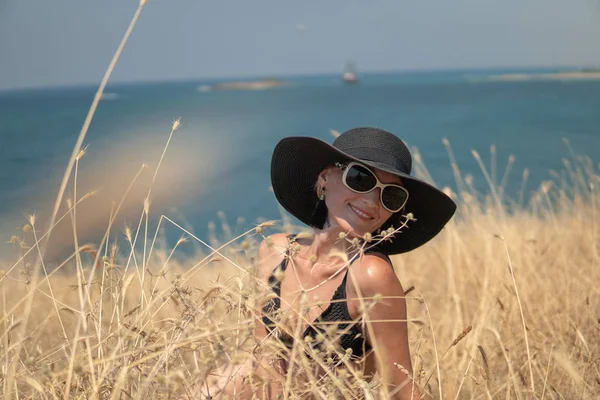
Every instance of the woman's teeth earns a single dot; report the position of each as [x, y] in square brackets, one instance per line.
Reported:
[360, 213]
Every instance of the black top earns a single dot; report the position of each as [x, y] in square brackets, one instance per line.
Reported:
[349, 333]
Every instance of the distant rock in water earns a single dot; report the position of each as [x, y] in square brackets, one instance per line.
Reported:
[245, 85]
[588, 74]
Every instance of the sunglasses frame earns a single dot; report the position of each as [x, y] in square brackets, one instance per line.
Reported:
[382, 186]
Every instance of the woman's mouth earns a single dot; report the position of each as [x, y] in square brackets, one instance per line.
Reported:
[362, 214]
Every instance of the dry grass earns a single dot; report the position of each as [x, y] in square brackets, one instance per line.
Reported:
[504, 305]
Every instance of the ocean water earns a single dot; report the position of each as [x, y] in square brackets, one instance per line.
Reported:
[218, 161]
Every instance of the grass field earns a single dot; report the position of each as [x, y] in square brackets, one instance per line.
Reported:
[505, 304]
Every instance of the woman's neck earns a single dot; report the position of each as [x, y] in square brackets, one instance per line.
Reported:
[328, 242]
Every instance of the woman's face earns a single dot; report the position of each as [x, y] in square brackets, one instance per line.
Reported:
[357, 212]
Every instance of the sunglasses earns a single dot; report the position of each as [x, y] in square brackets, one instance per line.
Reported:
[361, 179]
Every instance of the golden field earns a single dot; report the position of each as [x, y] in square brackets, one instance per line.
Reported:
[504, 304]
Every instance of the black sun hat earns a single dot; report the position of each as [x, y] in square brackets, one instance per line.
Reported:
[297, 162]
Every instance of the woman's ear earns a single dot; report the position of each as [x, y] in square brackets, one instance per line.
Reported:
[323, 176]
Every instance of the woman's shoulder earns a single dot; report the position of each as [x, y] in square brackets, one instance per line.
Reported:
[271, 252]
[274, 242]
[374, 273]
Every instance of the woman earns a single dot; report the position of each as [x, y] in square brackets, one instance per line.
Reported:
[363, 205]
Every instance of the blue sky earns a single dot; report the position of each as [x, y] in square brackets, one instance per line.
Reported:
[59, 42]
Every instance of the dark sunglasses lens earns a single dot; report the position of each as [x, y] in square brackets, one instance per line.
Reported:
[360, 179]
[393, 198]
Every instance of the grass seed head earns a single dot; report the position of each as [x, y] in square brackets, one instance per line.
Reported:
[81, 153]
[176, 123]
[279, 274]
[462, 335]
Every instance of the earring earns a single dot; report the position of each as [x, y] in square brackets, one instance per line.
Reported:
[320, 214]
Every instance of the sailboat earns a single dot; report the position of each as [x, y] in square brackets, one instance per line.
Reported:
[350, 75]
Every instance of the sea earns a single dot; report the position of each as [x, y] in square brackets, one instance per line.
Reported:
[211, 176]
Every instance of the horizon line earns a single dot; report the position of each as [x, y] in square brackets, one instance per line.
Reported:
[134, 82]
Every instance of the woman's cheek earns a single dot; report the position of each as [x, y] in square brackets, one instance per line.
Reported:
[384, 215]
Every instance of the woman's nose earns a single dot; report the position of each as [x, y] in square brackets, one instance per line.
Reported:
[373, 196]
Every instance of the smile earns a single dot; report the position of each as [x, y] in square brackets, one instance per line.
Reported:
[360, 213]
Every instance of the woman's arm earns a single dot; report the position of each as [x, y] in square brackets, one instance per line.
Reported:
[386, 327]
[229, 380]
[270, 254]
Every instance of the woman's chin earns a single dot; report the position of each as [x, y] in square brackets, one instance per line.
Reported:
[358, 229]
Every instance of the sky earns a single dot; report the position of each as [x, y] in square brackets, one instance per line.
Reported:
[70, 42]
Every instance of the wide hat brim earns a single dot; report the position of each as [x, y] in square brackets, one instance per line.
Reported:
[297, 162]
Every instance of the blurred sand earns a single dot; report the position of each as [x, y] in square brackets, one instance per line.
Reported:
[186, 170]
